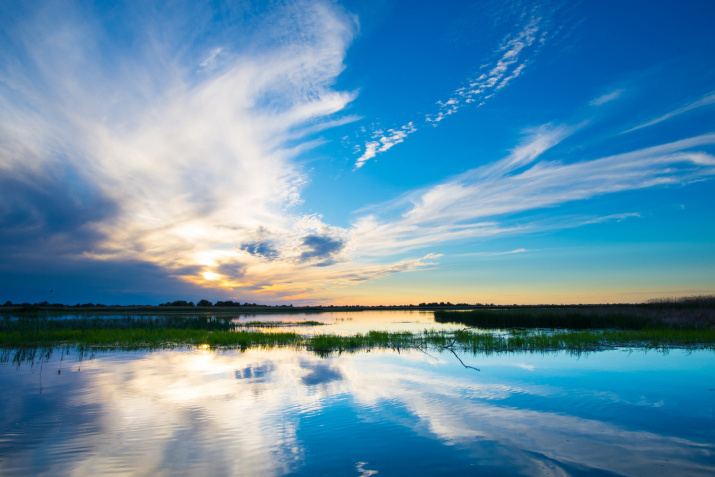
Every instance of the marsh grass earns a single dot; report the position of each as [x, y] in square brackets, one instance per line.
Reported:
[162, 332]
[138, 332]
[698, 315]
[542, 318]
[518, 340]
[372, 339]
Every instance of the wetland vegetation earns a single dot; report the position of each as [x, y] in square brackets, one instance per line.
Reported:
[656, 325]
[586, 318]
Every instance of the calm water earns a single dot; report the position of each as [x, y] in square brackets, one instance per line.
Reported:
[279, 412]
[339, 323]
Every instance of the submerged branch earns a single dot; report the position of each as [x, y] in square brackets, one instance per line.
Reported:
[462, 362]
[455, 338]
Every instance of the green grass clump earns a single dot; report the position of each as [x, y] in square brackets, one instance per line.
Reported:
[148, 338]
[372, 339]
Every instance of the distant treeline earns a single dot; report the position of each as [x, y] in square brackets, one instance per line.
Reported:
[688, 302]
[218, 303]
[181, 303]
[233, 304]
[45, 304]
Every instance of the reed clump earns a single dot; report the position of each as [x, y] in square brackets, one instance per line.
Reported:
[372, 339]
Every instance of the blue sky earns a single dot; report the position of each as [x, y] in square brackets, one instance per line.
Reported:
[364, 152]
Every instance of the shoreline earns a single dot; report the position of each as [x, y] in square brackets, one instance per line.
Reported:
[26, 308]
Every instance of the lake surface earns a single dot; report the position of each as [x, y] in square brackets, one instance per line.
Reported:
[292, 412]
[338, 322]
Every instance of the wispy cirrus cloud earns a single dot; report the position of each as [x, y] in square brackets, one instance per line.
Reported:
[479, 203]
[704, 101]
[607, 97]
[514, 54]
[494, 254]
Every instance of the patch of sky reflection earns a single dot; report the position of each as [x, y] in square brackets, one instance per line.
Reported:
[288, 412]
[350, 323]
[339, 323]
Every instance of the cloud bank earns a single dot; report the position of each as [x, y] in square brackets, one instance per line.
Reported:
[167, 146]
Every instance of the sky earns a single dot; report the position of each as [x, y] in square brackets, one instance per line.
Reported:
[358, 152]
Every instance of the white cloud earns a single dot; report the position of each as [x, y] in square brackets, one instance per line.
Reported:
[607, 97]
[538, 141]
[494, 254]
[478, 203]
[509, 65]
[497, 75]
[394, 137]
[209, 61]
[704, 101]
[193, 162]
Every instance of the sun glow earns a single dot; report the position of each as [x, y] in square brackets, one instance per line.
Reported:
[211, 276]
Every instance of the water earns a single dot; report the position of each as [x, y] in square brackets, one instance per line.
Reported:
[288, 412]
[339, 322]
[352, 322]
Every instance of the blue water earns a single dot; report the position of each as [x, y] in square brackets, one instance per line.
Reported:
[287, 412]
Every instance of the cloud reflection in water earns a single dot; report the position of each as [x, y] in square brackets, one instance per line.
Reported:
[257, 412]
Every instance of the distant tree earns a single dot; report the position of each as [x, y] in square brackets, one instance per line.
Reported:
[8, 303]
[204, 303]
[178, 303]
